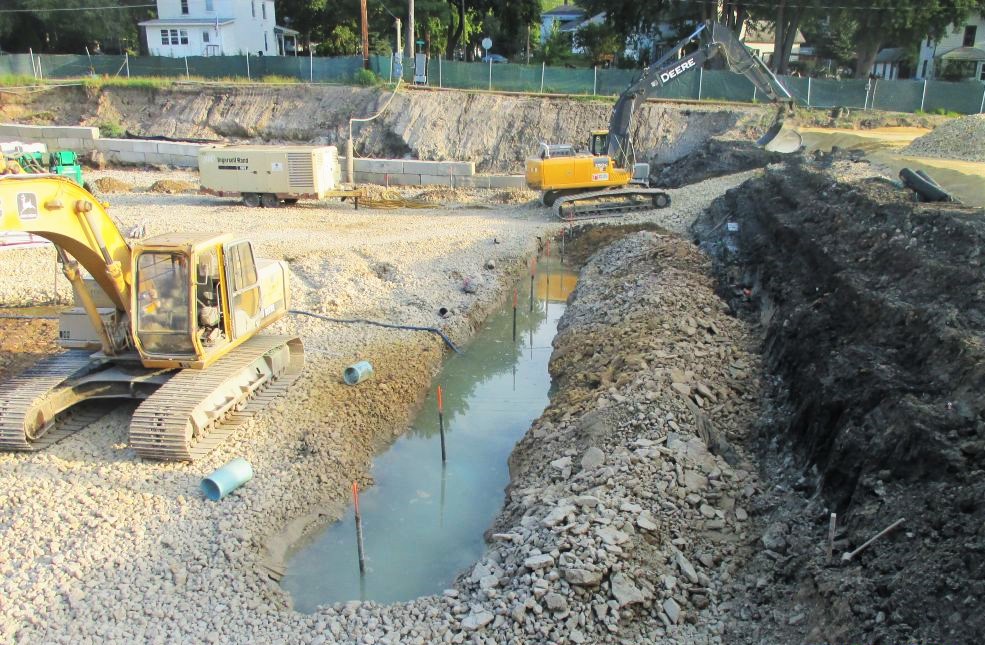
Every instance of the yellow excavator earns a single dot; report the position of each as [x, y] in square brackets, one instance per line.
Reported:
[607, 180]
[172, 321]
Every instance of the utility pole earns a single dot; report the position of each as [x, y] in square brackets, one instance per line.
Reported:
[365, 29]
[411, 48]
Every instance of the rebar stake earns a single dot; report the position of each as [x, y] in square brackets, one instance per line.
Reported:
[441, 426]
[359, 529]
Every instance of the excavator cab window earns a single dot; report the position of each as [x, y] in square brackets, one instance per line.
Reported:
[599, 144]
[163, 303]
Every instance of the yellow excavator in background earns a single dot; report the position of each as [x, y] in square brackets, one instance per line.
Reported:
[607, 179]
[172, 321]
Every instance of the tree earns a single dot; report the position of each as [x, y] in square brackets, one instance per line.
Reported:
[557, 47]
[599, 41]
[70, 31]
[343, 41]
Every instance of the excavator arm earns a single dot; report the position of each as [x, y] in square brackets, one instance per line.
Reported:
[716, 40]
[66, 214]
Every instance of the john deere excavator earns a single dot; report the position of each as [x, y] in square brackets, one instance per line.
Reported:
[607, 180]
[171, 321]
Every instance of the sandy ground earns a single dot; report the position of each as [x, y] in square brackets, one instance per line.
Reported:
[100, 546]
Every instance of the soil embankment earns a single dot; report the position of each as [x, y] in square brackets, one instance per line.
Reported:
[496, 131]
[874, 318]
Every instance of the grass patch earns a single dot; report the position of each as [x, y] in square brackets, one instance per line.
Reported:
[17, 80]
[135, 82]
[112, 130]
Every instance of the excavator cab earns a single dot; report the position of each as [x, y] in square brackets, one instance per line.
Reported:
[195, 298]
[598, 143]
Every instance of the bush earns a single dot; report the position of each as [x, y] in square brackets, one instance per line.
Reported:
[112, 130]
[365, 77]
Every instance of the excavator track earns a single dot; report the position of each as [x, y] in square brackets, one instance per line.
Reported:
[197, 409]
[612, 203]
[25, 423]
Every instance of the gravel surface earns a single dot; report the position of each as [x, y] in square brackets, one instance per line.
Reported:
[962, 138]
[100, 547]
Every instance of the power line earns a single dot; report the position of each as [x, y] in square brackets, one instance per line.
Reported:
[102, 8]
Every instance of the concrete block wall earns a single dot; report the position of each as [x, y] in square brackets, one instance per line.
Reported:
[386, 172]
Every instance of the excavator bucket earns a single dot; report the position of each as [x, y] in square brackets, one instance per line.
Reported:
[780, 138]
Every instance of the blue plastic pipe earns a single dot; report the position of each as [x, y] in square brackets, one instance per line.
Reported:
[357, 373]
[227, 479]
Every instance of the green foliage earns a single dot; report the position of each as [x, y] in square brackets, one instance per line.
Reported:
[142, 82]
[342, 41]
[16, 80]
[599, 41]
[112, 130]
[365, 77]
[556, 50]
[108, 30]
[958, 70]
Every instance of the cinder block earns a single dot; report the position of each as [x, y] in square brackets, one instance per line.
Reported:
[131, 157]
[405, 179]
[107, 146]
[507, 181]
[74, 132]
[68, 143]
[142, 145]
[381, 166]
[439, 167]
[370, 178]
[472, 181]
[176, 148]
[437, 180]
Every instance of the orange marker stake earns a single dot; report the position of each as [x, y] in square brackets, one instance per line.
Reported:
[359, 529]
[441, 426]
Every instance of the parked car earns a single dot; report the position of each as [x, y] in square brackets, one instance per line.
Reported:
[494, 58]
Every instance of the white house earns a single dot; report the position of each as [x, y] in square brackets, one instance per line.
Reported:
[962, 49]
[760, 37]
[566, 16]
[216, 28]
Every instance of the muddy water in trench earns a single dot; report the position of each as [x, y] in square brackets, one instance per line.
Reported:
[963, 179]
[424, 524]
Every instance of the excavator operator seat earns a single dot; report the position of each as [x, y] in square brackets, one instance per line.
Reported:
[163, 303]
[598, 144]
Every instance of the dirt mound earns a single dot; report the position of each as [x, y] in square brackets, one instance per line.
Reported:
[111, 185]
[716, 158]
[874, 312]
[173, 186]
[958, 139]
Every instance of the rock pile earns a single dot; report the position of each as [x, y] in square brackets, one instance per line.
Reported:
[958, 139]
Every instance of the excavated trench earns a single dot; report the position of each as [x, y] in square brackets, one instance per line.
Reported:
[872, 313]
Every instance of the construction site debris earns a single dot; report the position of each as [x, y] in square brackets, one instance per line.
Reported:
[960, 138]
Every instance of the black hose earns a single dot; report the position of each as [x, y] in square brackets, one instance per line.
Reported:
[350, 321]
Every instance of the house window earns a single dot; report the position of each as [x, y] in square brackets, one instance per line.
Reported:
[184, 7]
[263, 9]
[253, 8]
[184, 37]
[265, 48]
[981, 76]
[209, 5]
[205, 36]
[969, 35]
[164, 37]
[924, 74]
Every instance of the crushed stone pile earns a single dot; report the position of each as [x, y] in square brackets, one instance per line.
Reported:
[962, 138]
[112, 185]
[173, 186]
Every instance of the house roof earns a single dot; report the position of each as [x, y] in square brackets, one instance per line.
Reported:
[185, 22]
[761, 31]
[962, 53]
[575, 25]
[891, 55]
[287, 31]
[565, 10]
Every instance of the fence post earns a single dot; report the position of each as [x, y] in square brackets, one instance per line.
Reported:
[311, 64]
[808, 91]
[875, 86]
[595, 81]
[753, 93]
[981, 110]
[40, 69]
[543, 65]
[248, 77]
[923, 96]
[186, 68]
[439, 72]
[701, 78]
[34, 70]
[490, 74]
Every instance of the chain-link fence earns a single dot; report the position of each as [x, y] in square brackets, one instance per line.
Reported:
[895, 95]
